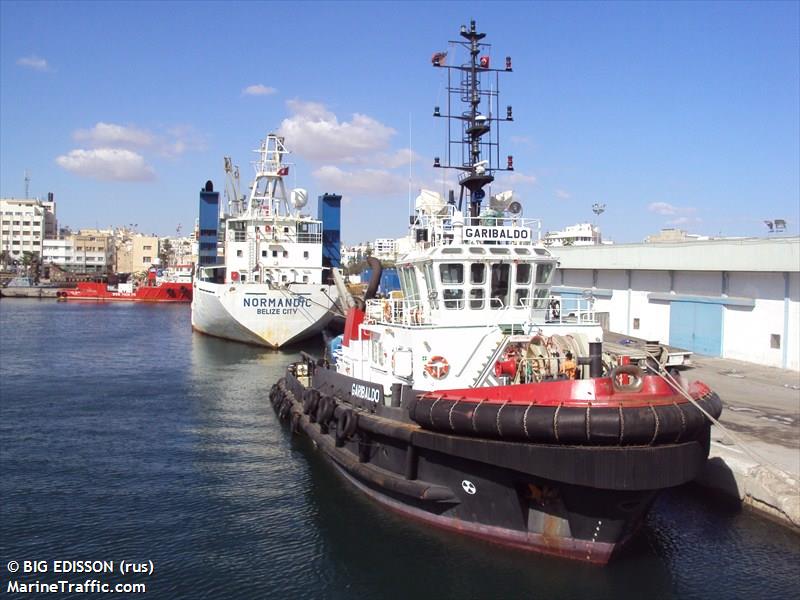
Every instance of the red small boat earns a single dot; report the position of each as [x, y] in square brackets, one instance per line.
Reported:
[126, 292]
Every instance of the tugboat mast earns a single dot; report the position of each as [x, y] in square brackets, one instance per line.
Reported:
[478, 139]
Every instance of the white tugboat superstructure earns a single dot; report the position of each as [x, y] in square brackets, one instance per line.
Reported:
[270, 290]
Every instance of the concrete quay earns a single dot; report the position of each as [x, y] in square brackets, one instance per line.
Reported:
[761, 406]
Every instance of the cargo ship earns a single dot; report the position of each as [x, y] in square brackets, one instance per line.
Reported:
[475, 402]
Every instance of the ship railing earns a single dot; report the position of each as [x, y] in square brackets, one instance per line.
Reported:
[397, 311]
[562, 311]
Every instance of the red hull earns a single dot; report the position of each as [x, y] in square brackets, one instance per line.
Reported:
[166, 292]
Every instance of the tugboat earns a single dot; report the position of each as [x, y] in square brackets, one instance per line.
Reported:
[271, 291]
[475, 402]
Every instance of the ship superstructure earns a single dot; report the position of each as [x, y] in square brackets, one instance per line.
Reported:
[271, 289]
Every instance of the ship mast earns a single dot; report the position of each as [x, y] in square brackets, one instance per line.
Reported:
[268, 189]
[475, 130]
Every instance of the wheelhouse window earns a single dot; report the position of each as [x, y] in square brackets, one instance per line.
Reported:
[543, 273]
[500, 287]
[523, 274]
[451, 273]
[453, 298]
[476, 296]
[477, 273]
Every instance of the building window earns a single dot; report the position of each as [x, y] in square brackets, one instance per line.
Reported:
[146, 260]
[263, 253]
[239, 253]
[274, 254]
[305, 254]
[147, 247]
[775, 341]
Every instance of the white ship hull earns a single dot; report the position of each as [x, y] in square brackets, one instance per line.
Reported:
[259, 314]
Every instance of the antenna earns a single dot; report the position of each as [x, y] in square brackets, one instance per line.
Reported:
[27, 183]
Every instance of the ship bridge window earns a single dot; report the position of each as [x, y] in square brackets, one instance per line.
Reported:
[543, 273]
[523, 273]
[522, 251]
[500, 287]
[540, 297]
[476, 298]
[451, 250]
[499, 251]
[476, 250]
[430, 283]
[451, 273]
[239, 253]
[453, 298]
[477, 273]
[408, 282]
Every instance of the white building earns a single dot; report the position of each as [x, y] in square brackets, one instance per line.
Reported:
[24, 224]
[735, 299]
[582, 234]
[88, 251]
[384, 249]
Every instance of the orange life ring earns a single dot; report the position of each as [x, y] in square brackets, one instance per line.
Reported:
[387, 311]
[437, 367]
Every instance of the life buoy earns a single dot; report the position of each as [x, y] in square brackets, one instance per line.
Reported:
[555, 308]
[437, 367]
[387, 310]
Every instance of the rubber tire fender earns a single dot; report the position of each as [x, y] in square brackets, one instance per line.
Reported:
[325, 409]
[346, 424]
[310, 402]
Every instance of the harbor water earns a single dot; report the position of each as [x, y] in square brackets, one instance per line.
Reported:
[125, 436]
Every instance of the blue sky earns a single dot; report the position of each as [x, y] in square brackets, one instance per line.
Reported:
[672, 114]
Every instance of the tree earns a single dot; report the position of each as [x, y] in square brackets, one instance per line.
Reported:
[165, 252]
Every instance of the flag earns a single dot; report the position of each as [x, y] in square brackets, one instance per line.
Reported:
[438, 58]
[283, 171]
[484, 62]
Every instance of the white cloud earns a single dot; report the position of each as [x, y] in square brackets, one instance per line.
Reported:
[104, 135]
[666, 209]
[315, 133]
[376, 182]
[563, 194]
[258, 89]
[515, 178]
[400, 158]
[173, 142]
[684, 221]
[108, 164]
[33, 62]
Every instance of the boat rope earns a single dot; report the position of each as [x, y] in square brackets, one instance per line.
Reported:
[525, 421]
[621, 424]
[675, 384]
[474, 413]
[657, 424]
[497, 419]
[683, 422]
[555, 420]
[435, 402]
[450, 416]
[589, 422]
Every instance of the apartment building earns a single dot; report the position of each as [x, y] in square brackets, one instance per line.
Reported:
[24, 224]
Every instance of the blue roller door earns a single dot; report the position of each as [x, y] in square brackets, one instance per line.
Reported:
[696, 326]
